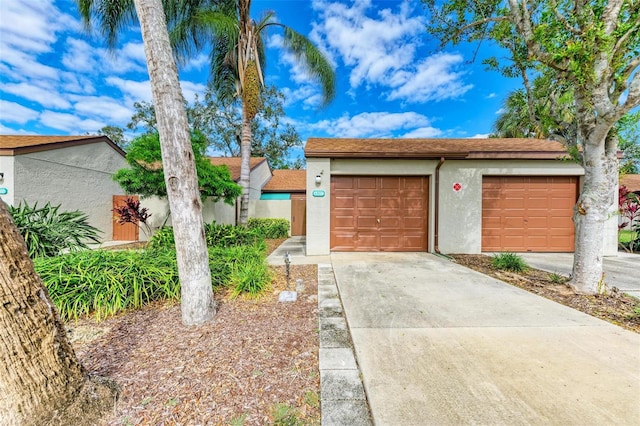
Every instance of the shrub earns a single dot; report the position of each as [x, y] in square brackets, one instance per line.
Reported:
[216, 235]
[509, 262]
[269, 228]
[104, 283]
[231, 236]
[227, 268]
[49, 232]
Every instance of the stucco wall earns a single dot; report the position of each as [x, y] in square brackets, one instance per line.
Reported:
[460, 213]
[77, 178]
[6, 167]
[257, 179]
[275, 209]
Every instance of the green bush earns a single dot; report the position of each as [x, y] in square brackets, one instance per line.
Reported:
[509, 262]
[104, 283]
[231, 236]
[269, 228]
[217, 236]
[49, 232]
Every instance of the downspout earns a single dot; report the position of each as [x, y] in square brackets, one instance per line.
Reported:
[437, 207]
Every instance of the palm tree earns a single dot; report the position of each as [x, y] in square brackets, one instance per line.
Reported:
[238, 63]
[197, 303]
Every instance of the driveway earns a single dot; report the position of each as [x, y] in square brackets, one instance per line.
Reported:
[619, 271]
[439, 344]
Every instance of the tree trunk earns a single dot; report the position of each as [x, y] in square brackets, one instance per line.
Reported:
[198, 304]
[592, 211]
[41, 380]
[245, 167]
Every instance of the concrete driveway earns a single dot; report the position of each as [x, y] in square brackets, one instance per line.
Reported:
[620, 271]
[439, 344]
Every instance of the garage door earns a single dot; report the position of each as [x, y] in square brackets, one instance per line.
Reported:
[379, 213]
[528, 213]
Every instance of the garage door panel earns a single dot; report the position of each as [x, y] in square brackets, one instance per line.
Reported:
[389, 213]
[528, 213]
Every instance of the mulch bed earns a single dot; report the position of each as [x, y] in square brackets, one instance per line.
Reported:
[614, 307]
[254, 356]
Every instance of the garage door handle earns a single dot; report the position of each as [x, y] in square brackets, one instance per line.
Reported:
[378, 220]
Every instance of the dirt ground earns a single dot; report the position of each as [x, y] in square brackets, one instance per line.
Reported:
[614, 307]
[256, 362]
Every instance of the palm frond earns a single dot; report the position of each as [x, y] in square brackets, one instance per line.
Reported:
[316, 64]
[110, 16]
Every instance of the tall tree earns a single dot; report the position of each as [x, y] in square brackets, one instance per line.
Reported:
[197, 303]
[41, 380]
[238, 63]
[221, 122]
[592, 47]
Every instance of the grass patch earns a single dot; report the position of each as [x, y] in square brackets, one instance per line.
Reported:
[625, 236]
[509, 262]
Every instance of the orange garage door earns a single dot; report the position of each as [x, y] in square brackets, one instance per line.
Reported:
[379, 213]
[528, 213]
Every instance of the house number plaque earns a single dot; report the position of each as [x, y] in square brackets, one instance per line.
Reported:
[318, 193]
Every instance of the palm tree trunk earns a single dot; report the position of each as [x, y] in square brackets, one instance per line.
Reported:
[41, 380]
[245, 168]
[198, 304]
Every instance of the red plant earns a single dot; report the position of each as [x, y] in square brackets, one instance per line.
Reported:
[131, 212]
[629, 208]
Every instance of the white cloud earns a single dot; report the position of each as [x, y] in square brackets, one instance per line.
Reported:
[384, 51]
[136, 90]
[196, 63]
[491, 96]
[479, 136]
[501, 111]
[16, 113]
[423, 132]
[69, 122]
[45, 96]
[371, 124]
[189, 90]
[101, 108]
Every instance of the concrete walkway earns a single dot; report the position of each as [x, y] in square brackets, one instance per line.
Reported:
[619, 271]
[439, 344]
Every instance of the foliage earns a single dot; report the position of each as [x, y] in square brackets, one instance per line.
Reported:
[49, 232]
[103, 283]
[629, 142]
[509, 262]
[131, 212]
[285, 415]
[629, 208]
[217, 235]
[116, 135]
[269, 228]
[145, 174]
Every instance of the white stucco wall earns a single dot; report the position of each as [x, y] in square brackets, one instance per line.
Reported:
[460, 213]
[259, 176]
[77, 178]
[7, 167]
[275, 209]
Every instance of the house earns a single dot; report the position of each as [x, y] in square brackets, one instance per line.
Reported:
[284, 196]
[632, 182]
[220, 212]
[72, 171]
[443, 195]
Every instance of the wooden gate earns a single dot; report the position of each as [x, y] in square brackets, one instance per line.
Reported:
[127, 231]
[298, 215]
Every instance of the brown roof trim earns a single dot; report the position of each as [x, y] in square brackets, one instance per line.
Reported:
[399, 148]
[18, 145]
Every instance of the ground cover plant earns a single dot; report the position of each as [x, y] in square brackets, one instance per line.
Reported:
[49, 231]
[509, 262]
[269, 228]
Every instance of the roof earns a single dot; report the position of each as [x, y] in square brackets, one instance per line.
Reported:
[632, 182]
[435, 148]
[24, 144]
[287, 181]
[233, 163]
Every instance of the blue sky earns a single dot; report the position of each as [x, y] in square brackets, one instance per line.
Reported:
[393, 81]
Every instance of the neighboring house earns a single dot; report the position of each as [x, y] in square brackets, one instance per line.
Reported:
[72, 171]
[220, 212]
[443, 195]
[284, 196]
[632, 183]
